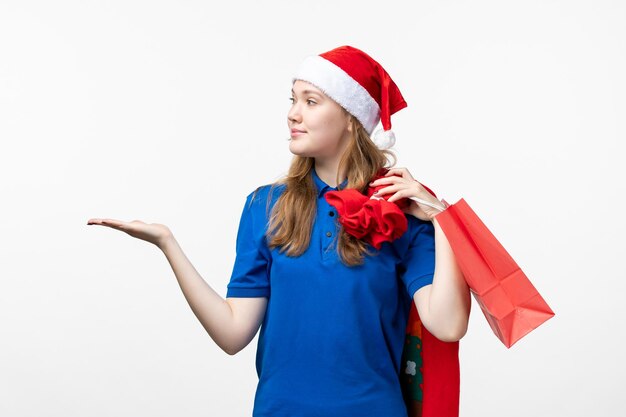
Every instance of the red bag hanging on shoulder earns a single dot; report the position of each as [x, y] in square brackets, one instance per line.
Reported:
[430, 376]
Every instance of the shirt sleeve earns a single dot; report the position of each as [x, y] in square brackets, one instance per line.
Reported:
[250, 275]
[418, 265]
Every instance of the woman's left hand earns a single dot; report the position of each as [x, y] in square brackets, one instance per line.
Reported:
[406, 186]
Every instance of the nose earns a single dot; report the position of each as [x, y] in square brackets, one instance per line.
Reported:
[294, 115]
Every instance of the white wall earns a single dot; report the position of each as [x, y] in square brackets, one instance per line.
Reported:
[171, 112]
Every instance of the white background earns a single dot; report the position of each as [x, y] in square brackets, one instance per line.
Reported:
[173, 111]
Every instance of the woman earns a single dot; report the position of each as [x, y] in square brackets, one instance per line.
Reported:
[333, 308]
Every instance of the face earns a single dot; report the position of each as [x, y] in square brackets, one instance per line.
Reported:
[324, 124]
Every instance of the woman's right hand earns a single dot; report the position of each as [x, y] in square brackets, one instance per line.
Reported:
[154, 233]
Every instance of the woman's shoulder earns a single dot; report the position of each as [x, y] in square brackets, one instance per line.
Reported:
[265, 195]
[417, 223]
[415, 227]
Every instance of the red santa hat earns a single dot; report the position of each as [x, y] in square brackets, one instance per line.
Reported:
[359, 84]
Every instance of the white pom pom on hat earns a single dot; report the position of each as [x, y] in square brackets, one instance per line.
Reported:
[360, 85]
[384, 139]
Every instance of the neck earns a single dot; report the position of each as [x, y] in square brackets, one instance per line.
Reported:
[327, 171]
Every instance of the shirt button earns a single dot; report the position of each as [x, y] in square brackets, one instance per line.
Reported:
[328, 234]
[331, 213]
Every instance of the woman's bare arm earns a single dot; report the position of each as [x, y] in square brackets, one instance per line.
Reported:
[232, 322]
[444, 306]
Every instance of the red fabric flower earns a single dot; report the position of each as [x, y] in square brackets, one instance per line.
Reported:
[373, 220]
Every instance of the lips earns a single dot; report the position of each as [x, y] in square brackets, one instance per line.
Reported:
[295, 133]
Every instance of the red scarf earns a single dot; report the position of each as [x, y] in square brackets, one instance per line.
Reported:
[429, 372]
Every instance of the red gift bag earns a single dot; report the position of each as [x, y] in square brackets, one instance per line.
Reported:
[511, 304]
[430, 372]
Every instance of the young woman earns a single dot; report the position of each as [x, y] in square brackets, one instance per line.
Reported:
[332, 309]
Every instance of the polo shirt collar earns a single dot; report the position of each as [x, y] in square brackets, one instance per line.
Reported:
[322, 187]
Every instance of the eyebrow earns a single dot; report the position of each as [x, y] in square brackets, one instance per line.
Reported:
[308, 92]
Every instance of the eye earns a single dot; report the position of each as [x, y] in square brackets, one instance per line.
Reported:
[309, 100]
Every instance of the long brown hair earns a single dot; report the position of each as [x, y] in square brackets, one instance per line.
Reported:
[292, 217]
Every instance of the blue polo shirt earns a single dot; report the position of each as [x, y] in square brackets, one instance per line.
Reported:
[332, 337]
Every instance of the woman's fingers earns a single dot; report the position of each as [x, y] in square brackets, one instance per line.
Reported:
[390, 189]
[151, 232]
[400, 191]
[401, 171]
[107, 222]
[386, 180]
[401, 188]
[400, 194]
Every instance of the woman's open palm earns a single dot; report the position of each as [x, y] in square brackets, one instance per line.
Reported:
[150, 232]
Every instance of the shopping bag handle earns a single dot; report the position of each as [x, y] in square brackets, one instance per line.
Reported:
[441, 207]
